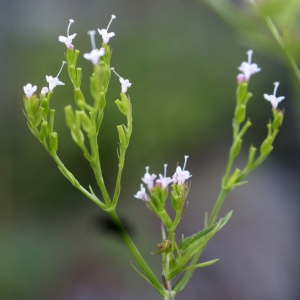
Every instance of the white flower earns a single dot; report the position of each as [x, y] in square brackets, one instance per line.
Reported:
[148, 179]
[68, 40]
[95, 54]
[125, 84]
[181, 175]
[44, 90]
[272, 98]
[53, 82]
[247, 68]
[141, 194]
[105, 35]
[164, 181]
[29, 90]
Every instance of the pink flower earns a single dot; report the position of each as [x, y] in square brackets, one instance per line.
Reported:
[164, 181]
[148, 179]
[68, 40]
[141, 194]
[181, 175]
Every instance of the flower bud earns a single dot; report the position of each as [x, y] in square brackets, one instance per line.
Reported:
[241, 92]
[266, 146]
[240, 113]
[122, 136]
[44, 130]
[72, 73]
[235, 149]
[78, 76]
[85, 121]
[38, 117]
[251, 156]
[53, 142]
[69, 115]
[79, 98]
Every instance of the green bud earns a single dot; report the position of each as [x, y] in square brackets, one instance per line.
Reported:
[232, 180]
[53, 142]
[31, 105]
[72, 73]
[51, 120]
[79, 98]
[102, 101]
[38, 117]
[266, 146]
[251, 156]
[248, 97]
[44, 130]
[121, 107]
[235, 148]
[70, 55]
[85, 121]
[241, 92]
[122, 136]
[74, 61]
[78, 76]
[166, 219]
[78, 118]
[278, 117]
[107, 55]
[45, 105]
[240, 113]
[69, 115]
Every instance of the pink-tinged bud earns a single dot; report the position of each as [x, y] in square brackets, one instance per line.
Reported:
[240, 78]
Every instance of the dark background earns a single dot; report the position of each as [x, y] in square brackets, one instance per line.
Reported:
[182, 61]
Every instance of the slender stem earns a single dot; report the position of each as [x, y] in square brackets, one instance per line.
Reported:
[136, 254]
[77, 185]
[214, 214]
[96, 166]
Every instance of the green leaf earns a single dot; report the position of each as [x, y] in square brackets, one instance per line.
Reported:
[201, 265]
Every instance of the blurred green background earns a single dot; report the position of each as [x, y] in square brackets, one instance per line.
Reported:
[182, 60]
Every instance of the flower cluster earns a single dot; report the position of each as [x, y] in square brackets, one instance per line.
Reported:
[179, 178]
[94, 56]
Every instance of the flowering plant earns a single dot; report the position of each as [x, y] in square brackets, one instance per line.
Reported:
[179, 256]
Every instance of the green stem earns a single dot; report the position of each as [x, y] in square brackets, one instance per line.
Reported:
[214, 214]
[77, 185]
[136, 254]
[96, 166]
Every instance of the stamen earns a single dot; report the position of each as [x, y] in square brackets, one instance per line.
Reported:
[185, 160]
[61, 68]
[92, 34]
[165, 172]
[71, 21]
[250, 52]
[113, 69]
[112, 17]
[275, 88]
[147, 169]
